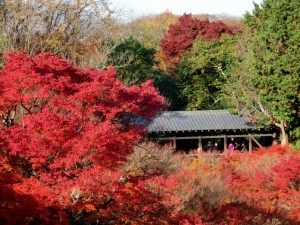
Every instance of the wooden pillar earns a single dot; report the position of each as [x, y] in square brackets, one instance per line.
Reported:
[250, 143]
[225, 143]
[200, 147]
[174, 143]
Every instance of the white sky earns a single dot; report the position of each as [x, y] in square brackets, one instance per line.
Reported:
[145, 7]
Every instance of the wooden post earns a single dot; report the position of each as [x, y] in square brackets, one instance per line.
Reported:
[200, 148]
[174, 143]
[225, 143]
[250, 143]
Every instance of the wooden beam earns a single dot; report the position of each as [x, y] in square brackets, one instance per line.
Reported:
[256, 141]
[254, 135]
[214, 136]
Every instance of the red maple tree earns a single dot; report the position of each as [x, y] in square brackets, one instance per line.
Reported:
[65, 132]
[181, 36]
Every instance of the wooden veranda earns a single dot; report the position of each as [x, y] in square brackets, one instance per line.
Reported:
[251, 138]
[201, 126]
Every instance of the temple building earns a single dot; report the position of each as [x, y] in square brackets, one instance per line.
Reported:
[209, 130]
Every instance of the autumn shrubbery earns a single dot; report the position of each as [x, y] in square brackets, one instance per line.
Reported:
[150, 158]
[243, 188]
[165, 174]
[158, 186]
[255, 188]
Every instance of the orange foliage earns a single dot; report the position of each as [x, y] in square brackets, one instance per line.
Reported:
[89, 208]
[251, 188]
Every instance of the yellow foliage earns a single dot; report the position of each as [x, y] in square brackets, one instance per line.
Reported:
[197, 164]
[152, 28]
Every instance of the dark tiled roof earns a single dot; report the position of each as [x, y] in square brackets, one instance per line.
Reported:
[197, 121]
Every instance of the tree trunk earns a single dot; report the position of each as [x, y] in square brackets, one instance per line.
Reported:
[283, 133]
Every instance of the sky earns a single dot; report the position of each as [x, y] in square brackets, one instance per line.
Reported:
[179, 7]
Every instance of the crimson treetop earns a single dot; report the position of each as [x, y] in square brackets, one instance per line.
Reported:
[181, 36]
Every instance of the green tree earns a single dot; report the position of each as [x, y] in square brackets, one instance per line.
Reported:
[133, 60]
[136, 63]
[201, 73]
[267, 76]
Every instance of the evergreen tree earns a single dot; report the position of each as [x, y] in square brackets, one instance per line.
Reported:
[136, 63]
[268, 74]
[133, 60]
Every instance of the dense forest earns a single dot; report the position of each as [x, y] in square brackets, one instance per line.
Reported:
[74, 74]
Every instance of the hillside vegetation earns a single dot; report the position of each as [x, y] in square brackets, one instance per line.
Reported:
[74, 75]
